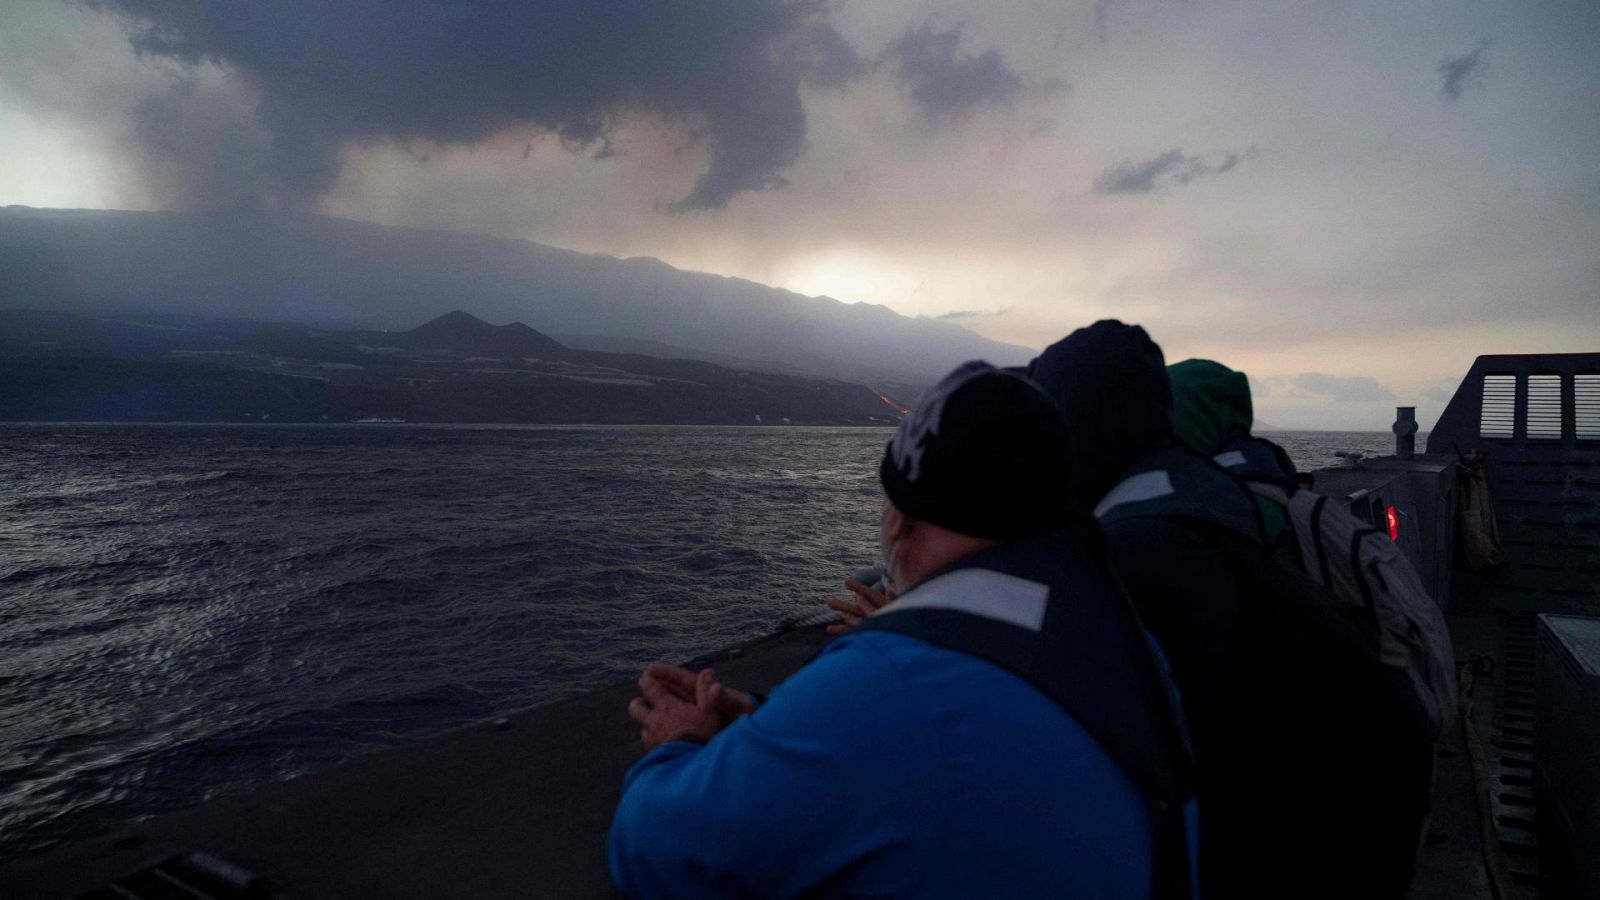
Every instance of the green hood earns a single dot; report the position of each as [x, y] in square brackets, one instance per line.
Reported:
[1209, 402]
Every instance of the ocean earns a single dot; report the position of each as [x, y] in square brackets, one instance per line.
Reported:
[189, 610]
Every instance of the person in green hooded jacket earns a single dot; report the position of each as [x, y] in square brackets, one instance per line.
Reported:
[1212, 415]
[1371, 781]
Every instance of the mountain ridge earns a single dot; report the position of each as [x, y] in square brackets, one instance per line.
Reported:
[455, 368]
[305, 268]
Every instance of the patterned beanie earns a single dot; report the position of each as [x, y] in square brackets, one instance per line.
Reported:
[985, 453]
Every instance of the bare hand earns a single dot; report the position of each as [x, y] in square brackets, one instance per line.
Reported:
[681, 682]
[664, 716]
[868, 602]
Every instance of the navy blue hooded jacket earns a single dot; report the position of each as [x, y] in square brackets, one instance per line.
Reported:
[1111, 381]
[1302, 791]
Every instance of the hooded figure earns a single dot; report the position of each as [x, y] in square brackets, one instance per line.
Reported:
[1189, 543]
[1110, 381]
[1210, 403]
[1212, 415]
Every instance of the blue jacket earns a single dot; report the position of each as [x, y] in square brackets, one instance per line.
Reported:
[886, 767]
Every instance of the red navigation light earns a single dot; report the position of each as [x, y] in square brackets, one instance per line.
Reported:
[1394, 523]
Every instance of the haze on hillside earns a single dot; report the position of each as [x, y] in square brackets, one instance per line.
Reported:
[298, 268]
[1349, 202]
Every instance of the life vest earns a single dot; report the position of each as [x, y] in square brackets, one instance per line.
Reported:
[1259, 460]
[1255, 459]
[1174, 483]
[1046, 609]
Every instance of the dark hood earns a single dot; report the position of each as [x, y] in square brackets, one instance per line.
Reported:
[1110, 381]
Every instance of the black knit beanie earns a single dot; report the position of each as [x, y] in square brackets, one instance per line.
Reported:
[985, 454]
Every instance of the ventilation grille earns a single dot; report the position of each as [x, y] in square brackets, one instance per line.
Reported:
[1586, 393]
[1497, 416]
[1544, 407]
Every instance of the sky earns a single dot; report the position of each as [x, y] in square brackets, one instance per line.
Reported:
[1348, 201]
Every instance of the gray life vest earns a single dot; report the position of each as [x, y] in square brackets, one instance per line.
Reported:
[1047, 609]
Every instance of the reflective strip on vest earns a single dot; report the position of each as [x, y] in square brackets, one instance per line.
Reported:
[1137, 489]
[1230, 460]
[980, 592]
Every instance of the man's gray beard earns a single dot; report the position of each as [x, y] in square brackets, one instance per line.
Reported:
[886, 565]
[885, 580]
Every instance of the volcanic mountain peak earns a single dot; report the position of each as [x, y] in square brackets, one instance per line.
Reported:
[462, 332]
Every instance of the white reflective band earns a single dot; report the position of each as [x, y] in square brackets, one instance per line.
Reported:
[1229, 460]
[1141, 487]
[981, 592]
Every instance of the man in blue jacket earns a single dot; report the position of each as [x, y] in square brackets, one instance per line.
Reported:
[1003, 729]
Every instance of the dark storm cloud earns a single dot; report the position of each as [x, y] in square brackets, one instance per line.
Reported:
[330, 75]
[1457, 69]
[942, 82]
[823, 57]
[1171, 167]
[197, 148]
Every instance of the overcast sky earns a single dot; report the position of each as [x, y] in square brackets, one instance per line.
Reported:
[1347, 200]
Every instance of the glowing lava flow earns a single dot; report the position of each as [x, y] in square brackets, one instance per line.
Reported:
[890, 403]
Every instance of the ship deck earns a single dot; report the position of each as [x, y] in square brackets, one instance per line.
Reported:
[516, 806]
[519, 806]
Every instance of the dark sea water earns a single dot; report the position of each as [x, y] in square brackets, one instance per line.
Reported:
[186, 611]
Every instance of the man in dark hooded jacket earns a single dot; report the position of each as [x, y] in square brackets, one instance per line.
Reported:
[1111, 381]
[1189, 542]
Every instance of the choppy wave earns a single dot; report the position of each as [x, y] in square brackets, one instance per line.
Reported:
[186, 611]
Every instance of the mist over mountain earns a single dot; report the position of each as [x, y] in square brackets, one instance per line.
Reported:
[309, 269]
